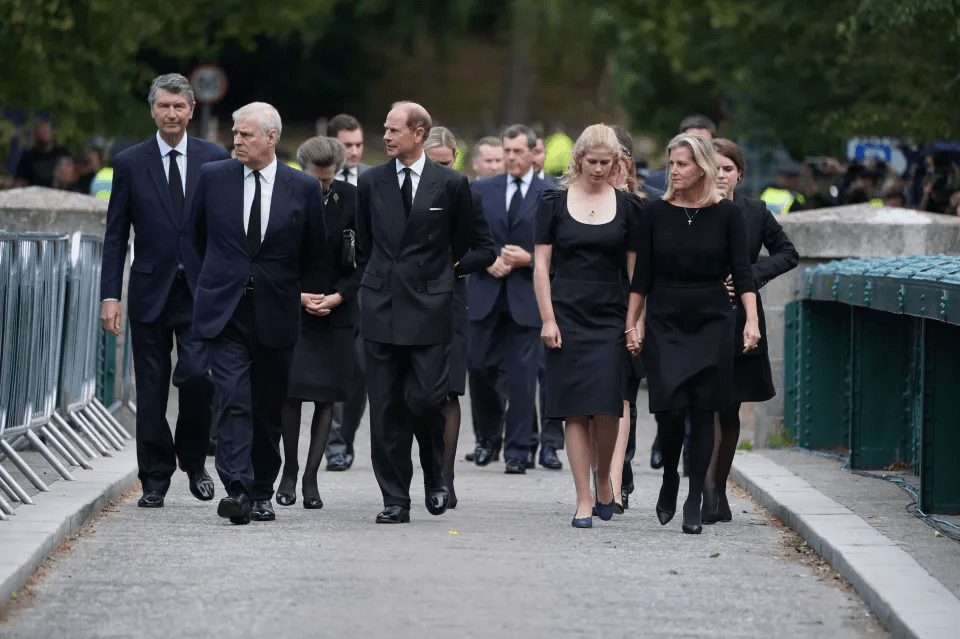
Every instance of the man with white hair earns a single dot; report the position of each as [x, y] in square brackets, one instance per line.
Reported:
[259, 226]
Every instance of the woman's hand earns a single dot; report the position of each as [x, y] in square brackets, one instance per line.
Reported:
[635, 337]
[550, 334]
[311, 302]
[751, 334]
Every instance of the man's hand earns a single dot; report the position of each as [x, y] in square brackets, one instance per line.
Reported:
[515, 256]
[110, 317]
[499, 269]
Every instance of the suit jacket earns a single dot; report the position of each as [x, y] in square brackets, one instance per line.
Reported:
[141, 198]
[407, 264]
[295, 238]
[330, 274]
[763, 230]
[362, 168]
[482, 251]
[483, 288]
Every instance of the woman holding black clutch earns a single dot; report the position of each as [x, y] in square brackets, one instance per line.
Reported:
[324, 357]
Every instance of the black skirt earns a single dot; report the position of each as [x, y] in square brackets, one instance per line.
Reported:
[689, 345]
[324, 361]
[460, 345]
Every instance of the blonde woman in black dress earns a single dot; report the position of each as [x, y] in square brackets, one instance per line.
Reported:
[689, 242]
[587, 231]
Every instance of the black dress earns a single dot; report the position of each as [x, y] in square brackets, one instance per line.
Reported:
[682, 260]
[587, 375]
[752, 378]
[325, 355]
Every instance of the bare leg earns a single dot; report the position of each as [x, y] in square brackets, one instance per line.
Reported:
[619, 452]
[606, 432]
[319, 434]
[452, 415]
[290, 419]
[580, 453]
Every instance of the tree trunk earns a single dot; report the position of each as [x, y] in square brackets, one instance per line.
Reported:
[524, 22]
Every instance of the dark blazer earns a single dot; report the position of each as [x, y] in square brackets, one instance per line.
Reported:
[141, 198]
[763, 231]
[330, 274]
[482, 251]
[483, 288]
[407, 264]
[295, 237]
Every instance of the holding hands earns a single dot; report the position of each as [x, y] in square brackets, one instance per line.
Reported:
[635, 335]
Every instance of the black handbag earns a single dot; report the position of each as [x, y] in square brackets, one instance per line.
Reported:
[349, 254]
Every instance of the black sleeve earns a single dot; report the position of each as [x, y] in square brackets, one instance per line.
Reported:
[739, 251]
[348, 286]
[462, 224]
[364, 228]
[117, 235]
[783, 256]
[483, 251]
[644, 270]
[545, 230]
[635, 206]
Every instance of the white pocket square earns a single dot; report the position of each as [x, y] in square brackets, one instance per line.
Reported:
[436, 208]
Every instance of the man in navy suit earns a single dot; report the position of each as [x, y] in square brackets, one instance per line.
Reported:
[504, 319]
[260, 225]
[153, 184]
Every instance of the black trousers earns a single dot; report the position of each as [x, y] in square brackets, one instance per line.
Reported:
[251, 381]
[407, 388]
[158, 451]
[551, 430]
[503, 363]
[347, 415]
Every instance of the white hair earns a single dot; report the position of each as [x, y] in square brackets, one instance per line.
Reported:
[261, 113]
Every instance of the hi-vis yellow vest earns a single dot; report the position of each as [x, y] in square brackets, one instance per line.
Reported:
[777, 200]
[102, 184]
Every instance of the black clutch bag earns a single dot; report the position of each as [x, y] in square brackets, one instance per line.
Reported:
[349, 255]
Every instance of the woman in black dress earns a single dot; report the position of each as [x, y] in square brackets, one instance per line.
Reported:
[325, 356]
[587, 231]
[689, 242]
[752, 379]
[441, 147]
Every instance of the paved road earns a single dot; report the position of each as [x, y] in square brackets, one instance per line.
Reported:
[506, 563]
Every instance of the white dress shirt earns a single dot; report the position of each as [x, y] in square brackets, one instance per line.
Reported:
[349, 175]
[268, 177]
[415, 173]
[524, 185]
[181, 159]
[542, 175]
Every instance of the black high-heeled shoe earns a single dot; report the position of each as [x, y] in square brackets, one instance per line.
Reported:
[286, 491]
[667, 501]
[312, 503]
[625, 498]
[692, 524]
[286, 499]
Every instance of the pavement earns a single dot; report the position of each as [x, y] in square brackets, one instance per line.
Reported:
[506, 562]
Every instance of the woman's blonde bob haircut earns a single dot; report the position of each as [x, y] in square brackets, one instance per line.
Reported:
[706, 158]
[598, 137]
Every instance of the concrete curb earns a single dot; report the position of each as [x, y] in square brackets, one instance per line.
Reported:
[903, 595]
[33, 532]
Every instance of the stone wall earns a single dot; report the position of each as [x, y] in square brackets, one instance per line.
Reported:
[837, 233]
[36, 208]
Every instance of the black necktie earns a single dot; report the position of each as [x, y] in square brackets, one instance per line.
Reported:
[253, 226]
[175, 182]
[514, 211]
[406, 191]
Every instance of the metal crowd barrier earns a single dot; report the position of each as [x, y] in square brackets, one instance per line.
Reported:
[871, 354]
[49, 325]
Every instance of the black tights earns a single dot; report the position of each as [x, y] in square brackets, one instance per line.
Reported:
[670, 431]
[319, 433]
[726, 448]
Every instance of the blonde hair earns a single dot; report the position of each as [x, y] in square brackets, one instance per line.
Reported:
[705, 157]
[440, 136]
[603, 138]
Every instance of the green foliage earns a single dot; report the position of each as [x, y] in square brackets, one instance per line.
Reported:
[781, 440]
[745, 445]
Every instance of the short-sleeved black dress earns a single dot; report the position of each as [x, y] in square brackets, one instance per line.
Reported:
[683, 258]
[587, 374]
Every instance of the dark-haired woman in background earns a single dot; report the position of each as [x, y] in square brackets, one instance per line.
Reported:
[441, 147]
[689, 242]
[752, 379]
[324, 358]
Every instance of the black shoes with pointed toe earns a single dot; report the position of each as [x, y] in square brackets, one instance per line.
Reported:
[312, 502]
[667, 502]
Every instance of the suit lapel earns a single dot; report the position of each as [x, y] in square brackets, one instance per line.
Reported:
[392, 218]
[193, 170]
[155, 168]
[278, 202]
[529, 200]
[235, 202]
[426, 191]
[499, 208]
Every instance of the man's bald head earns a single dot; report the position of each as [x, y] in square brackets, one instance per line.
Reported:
[417, 116]
[405, 131]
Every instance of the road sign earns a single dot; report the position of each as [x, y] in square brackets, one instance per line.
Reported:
[209, 83]
[885, 149]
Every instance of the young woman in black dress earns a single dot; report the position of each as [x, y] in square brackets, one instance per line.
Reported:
[324, 357]
[689, 242]
[752, 379]
[588, 232]
[441, 147]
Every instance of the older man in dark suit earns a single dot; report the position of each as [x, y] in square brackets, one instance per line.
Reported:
[260, 225]
[414, 222]
[153, 185]
[504, 319]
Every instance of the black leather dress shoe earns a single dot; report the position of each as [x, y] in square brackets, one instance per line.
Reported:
[337, 463]
[515, 467]
[349, 458]
[483, 456]
[394, 515]
[201, 486]
[549, 459]
[470, 456]
[151, 499]
[656, 457]
[437, 501]
[262, 510]
[236, 508]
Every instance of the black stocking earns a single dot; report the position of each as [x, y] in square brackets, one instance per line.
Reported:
[319, 434]
[670, 436]
[701, 449]
[451, 435]
[729, 436]
[290, 419]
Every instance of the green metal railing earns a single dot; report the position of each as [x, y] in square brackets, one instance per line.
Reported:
[872, 355]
